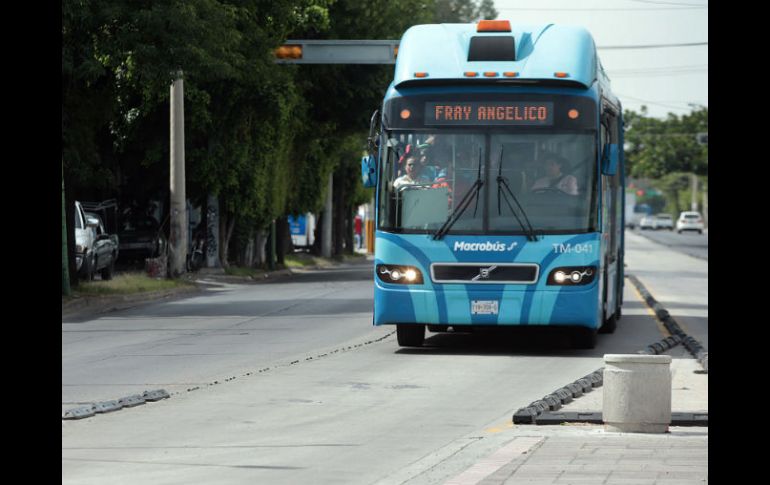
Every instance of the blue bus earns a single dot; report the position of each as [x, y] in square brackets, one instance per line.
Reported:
[498, 166]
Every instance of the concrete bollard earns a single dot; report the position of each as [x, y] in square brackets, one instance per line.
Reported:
[637, 393]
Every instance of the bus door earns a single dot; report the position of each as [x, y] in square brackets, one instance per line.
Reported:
[611, 219]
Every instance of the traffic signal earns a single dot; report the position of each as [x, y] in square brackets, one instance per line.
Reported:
[640, 192]
[289, 51]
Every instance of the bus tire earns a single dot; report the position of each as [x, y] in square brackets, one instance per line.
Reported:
[583, 338]
[610, 324]
[410, 335]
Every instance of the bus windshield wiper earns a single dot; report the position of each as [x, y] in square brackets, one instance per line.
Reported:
[503, 182]
[472, 193]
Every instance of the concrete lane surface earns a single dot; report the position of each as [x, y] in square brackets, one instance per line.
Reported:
[309, 392]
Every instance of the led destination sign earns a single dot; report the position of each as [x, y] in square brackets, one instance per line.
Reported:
[489, 113]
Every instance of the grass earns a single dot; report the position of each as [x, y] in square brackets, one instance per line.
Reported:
[303, 260]
[296, 260]
[128, 284]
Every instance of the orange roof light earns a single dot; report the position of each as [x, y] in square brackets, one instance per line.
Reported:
[493, 26]
[405, 114]
[395, 52]
[490, 74]
[420, 74]
[573, 114]
[511, 74]
[470, 74]
[561, 74]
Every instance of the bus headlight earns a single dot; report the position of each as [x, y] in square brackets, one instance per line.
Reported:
[406, 275]
[572, 275]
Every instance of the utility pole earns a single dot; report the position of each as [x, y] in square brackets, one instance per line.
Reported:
[212, 232]
[326, 241]
[178, 207]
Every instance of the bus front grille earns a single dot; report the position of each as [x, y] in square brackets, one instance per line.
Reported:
[484, 273]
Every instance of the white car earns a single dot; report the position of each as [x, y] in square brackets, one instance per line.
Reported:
[663, 221]
[647, 222]
[689, 221]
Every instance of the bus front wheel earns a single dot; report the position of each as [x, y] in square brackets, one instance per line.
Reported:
[410, 335]
[610, 324]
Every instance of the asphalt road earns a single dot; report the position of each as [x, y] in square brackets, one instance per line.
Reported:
[288, 382]
[690, 243]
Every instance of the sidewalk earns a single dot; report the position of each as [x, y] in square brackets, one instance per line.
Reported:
[587, 454]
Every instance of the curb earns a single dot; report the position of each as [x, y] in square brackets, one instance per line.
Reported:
[108, 303]
[595, 417]
[690, 343]
[115, 405]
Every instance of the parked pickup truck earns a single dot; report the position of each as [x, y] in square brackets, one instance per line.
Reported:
[85, 239]
[106, 249]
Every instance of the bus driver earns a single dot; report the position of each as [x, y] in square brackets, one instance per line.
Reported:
[554, 178]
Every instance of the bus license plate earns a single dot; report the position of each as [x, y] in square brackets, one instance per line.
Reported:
[484, 307]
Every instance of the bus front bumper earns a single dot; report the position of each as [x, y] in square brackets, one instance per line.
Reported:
[490, 305]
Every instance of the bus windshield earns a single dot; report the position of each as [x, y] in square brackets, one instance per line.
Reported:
[541, 182]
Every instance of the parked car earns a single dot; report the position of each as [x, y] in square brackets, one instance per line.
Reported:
[689, 221]
[647, 222]
[663, 221]
[141, 237]
[85, 239]
[106, 249]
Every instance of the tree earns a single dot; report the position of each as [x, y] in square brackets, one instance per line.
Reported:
[343, 98]
[668, 150]
[658, 147]
[238, 108]
[460, 11]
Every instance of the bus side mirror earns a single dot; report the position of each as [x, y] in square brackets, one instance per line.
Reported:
[610, 156]
[369, 171]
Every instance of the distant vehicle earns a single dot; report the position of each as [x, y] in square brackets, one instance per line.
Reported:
[85, 239]
[302, 230]
[105, 250]
[647, 222]
[689, 221]
[663, 221]
[635, 215]
[141, 237]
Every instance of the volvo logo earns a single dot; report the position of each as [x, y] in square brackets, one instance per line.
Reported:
[484, 273]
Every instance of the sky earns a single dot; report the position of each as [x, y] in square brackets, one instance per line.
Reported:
[665, 79]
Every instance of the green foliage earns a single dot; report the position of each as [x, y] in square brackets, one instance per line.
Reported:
[264, 138]
[658, 147]
[459, 11]
[668, 150]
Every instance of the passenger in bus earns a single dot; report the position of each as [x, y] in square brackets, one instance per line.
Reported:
[408, 152]
[412, 175]
[554, 178]
[433, 157]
